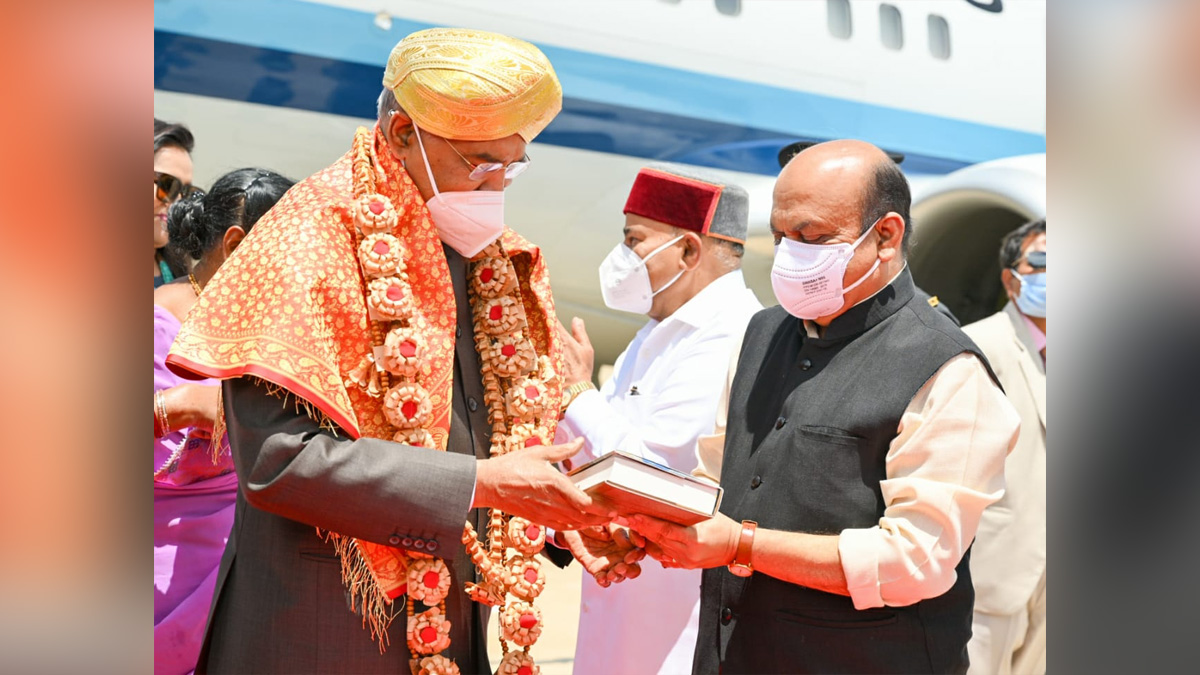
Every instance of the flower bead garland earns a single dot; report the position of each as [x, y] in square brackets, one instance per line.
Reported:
[491, 277]
[389, 298]
[428, 581]
[526, 399]
[403, 353]
[374, 213]
[437, 665]
[515, 381]
[518, 663]
[500, 316]
[428, 632]
[511, 356]
[524, 536]
[407, 406]
[521, 623]
[524, 435]
[419, 438]
[381, 255]
[525, 578]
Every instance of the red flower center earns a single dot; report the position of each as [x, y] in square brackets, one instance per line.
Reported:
[532, 532]
[530, 442]
[381, 247]
[428, 635]
[508, 350]
[486, 274]
[376, 206]
[496, 312]
[528, 621]
[531, 575]
[531, 392]
[409, 409]
[408, 349]
[524, 670]
[431, 579]
[395, 293]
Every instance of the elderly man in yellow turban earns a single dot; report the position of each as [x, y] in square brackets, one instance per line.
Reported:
[390, 358]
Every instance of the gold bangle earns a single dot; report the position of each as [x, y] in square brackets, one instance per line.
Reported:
[160, 411]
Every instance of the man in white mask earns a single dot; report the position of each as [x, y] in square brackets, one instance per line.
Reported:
[1008, 561]
[865, 436]
[679, 263]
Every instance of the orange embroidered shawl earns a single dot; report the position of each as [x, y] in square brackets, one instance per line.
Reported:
[289, 307]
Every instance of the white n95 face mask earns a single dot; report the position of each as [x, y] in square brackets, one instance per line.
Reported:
[807, 278]
[466, 221]
[625, 281]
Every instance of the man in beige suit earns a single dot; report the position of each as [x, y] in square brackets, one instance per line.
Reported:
[1008, 561]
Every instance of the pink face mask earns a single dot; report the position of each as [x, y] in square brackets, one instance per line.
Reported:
[807, 278]
[466, 221]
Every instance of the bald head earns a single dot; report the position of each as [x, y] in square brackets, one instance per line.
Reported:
[850, 180]
[836, 193]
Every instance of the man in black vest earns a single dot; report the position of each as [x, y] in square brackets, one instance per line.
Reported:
[866, 435]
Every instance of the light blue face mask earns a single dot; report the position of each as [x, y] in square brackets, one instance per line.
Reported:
[1032, 300]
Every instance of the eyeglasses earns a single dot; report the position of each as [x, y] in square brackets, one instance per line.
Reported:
[480, 171]
[170, 189]
[1036, 260]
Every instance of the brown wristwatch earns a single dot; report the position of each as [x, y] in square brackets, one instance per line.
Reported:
[741, 557]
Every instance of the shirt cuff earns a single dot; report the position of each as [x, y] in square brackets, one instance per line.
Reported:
[586, 416]
[860, 564]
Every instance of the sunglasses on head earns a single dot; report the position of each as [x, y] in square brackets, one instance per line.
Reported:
[171, 189]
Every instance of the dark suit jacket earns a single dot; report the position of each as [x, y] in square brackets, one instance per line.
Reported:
[280, 605]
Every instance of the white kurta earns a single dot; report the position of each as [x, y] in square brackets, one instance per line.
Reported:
[662, 396]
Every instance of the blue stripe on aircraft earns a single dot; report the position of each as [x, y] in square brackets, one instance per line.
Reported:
[238, 72]
[350, 36]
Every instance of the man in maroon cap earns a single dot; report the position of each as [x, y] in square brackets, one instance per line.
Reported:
[679, 264]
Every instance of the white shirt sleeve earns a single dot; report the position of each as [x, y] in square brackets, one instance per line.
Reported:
[943, 469]
[680, 408]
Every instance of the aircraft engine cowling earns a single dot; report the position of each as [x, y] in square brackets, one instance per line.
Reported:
[959, 220]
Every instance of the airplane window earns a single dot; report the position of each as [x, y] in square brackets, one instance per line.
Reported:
[891, 31]
[837, 13]
[729, 7]
[939, 37]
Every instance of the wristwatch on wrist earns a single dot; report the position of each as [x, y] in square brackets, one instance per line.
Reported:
[741, 557]
[575, 390]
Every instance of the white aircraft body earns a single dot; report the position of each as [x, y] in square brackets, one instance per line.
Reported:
[956, 86]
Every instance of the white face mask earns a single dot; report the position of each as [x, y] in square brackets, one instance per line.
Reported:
[807, 278]
[625, 281]
[466, 221]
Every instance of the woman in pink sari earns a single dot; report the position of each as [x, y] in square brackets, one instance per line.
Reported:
[194, 483]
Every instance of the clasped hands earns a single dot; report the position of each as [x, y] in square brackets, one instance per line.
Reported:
[528, 485]
[611, 553]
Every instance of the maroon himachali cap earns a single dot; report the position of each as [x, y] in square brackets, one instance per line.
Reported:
[691, 199]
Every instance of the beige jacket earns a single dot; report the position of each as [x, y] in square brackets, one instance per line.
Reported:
[1009, 555]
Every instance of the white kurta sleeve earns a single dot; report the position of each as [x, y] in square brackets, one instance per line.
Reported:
[943, 469]
[680, 407]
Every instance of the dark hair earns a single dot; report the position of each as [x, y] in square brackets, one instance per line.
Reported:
[887, 192]
[1010, 245]
[172, 135]
[239, 198]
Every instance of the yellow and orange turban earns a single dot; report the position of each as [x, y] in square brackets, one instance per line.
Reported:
[473, 85]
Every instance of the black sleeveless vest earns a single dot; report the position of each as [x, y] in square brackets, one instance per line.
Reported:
[810, 422]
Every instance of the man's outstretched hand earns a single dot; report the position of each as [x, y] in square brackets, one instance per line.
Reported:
[709, 543]
[606, 552]
[527, 484]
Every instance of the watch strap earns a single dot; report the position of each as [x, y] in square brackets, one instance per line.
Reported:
[741, 555]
